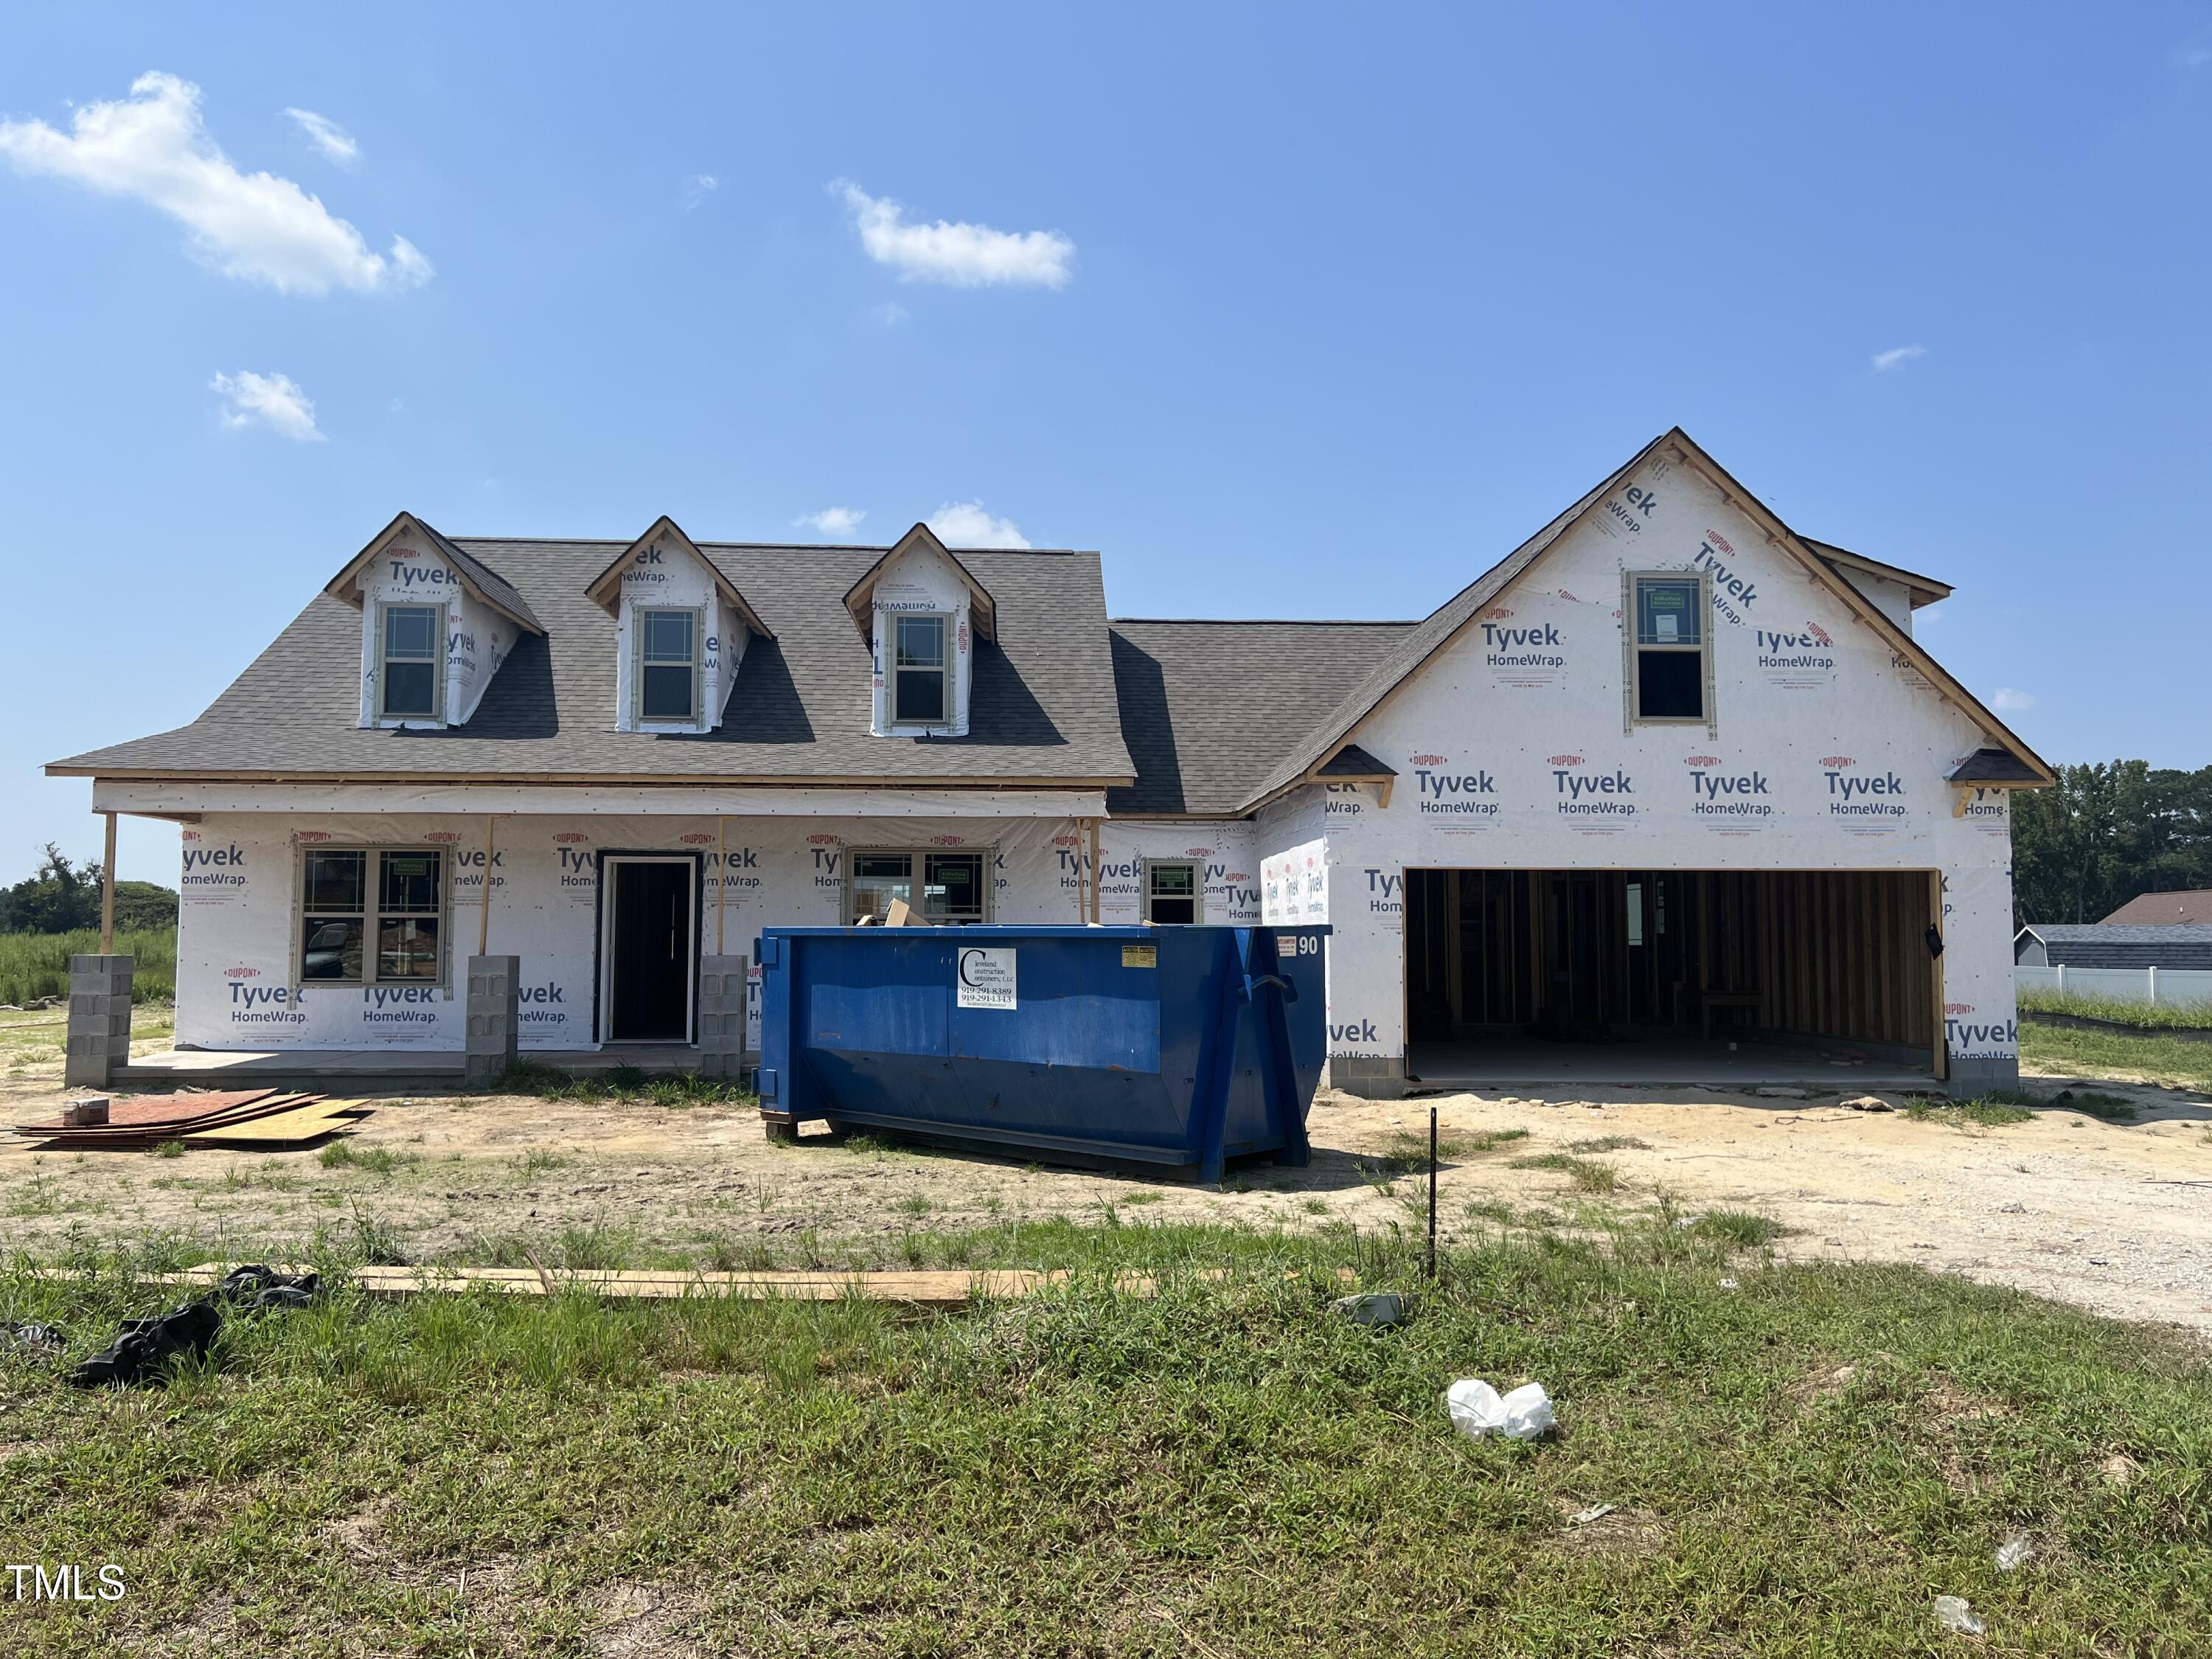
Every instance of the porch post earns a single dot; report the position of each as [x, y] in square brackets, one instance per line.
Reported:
[1095, 872]
[107, 891]
[483, 918]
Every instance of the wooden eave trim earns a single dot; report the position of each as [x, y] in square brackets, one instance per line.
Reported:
[346, 585]
[604, 590]
[981, 606]
[594, 780]
[1859, 604]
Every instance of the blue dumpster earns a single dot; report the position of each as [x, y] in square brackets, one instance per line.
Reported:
[1175, 1046]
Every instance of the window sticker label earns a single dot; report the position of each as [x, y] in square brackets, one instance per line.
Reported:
[986, 978]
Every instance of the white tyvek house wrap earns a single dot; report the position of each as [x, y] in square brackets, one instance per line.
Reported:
[920, 582]
[1513, 752]
[666, 577]
[1229, 869]
[235, 938]
[477, 638]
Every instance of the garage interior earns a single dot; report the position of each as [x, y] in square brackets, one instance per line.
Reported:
[1671, 975]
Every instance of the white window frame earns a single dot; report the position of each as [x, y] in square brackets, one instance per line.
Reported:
[638, 615]
[1633, 649]
[917, 878]
[893, 715]
[438, 626]
[1197, 868]
[371, 916]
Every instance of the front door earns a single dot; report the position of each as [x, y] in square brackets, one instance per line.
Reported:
[651, 956]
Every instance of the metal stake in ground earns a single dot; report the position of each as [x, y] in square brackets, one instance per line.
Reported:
[1432, 1194]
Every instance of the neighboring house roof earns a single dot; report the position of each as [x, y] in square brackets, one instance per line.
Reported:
[2187, 906]
[1993, 766]
[2101, 945]
[1209, 707]
[1042, 703]
[1440, 629]
[479, 580]
[1923, 590]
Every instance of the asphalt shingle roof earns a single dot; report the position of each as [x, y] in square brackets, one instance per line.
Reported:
[2187, 904]
[1209, 708]
[1043, 705]
[2101, 945]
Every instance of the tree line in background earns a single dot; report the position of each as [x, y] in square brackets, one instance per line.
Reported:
[60, 899]
[2106, 833]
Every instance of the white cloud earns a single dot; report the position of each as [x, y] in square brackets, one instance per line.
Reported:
[271, 400]
[959, 256]
[965, 524]
[154, 147]
[698, 188]
[334, 142]
[1886, 361]
[2010, 701]
[832, 521]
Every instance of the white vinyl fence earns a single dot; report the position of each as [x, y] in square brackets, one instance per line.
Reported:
[2173, 986]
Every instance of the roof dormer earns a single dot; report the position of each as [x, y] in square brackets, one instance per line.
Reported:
[436, 623]
[681, 630]
[920, 611]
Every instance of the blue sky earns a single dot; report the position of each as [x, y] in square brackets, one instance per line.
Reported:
[1291, 310]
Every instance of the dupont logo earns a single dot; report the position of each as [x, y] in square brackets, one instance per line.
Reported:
[242, 973]
[828, 841]
[1701, 760]
[1719, 541]
[1569, 597]
[696, 838]
[948, 841]
[1958, 1008]
[1563, 760]
[1836, 762]
[1200, 852]
[1067, 840]
[311, 835]
[1496, 613]
[570, 838]
[443, 837]
[1427, 760]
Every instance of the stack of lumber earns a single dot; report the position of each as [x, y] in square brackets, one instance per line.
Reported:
[255, 1118]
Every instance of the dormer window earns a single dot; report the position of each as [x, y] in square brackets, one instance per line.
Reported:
[668, 665]
[411, 660]
[918, 682]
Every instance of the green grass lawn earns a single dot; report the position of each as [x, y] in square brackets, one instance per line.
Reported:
[1798, 1466]
[36, 965]
[2171, 1061]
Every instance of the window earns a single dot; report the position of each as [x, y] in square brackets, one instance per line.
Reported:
[950, 885]
[668, 665]
[918, 681]
[1171, 891]
[412, 634]
[1669, 674]
[371, 916]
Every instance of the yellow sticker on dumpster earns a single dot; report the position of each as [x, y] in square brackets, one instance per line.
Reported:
[1140, 955]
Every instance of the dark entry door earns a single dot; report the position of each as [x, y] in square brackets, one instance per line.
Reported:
[652, 955]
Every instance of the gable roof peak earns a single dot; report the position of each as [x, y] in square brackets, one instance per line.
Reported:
[479, 580]
[605, 588]
[982, 608]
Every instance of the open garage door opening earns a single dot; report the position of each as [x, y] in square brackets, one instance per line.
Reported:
[1653, 975]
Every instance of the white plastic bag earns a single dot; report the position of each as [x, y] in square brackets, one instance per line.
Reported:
[1477, 1409]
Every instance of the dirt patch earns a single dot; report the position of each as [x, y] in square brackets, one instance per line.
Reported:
[2113, 1217]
